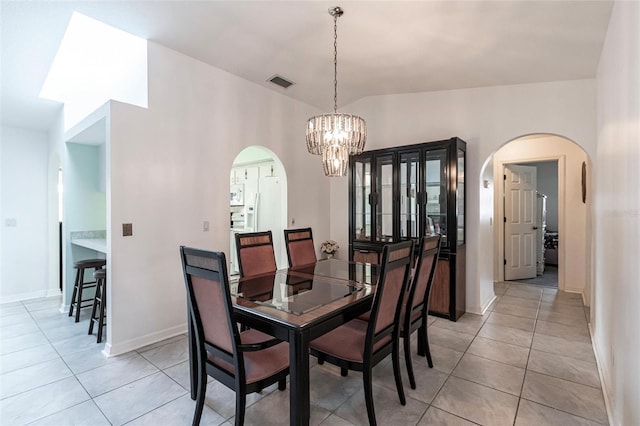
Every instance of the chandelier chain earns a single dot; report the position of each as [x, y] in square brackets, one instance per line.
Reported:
[335, 63]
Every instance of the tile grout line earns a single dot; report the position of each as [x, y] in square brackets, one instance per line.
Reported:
[68, 367]
[526, 366]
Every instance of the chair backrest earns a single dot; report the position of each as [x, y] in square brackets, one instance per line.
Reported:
[209, 306]
[392, 284]
[420, 289]
[255, 253]
[300, 249]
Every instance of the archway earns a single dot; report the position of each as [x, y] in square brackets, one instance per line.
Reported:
[574, 222]
[258, 199]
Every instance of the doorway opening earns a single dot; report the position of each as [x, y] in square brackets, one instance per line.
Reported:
[531, 222]
[573, 231]
[258, 200]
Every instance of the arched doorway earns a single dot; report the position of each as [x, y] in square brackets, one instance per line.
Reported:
[573, 215]
[258, 194]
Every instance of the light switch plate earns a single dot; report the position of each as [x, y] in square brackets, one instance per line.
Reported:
[127, 229]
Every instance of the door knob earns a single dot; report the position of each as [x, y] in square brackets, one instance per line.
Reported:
[535, 227]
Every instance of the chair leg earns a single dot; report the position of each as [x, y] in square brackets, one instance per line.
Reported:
[201, 393]
[368, 395]
[407, 359]
[427, 349]
[282, 384]
[395, 358]
[241, 400]
[421, 343]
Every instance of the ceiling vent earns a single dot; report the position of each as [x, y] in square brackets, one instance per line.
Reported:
[280, 81]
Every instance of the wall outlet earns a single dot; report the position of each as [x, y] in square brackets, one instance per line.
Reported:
[205, 226]
[127, 229]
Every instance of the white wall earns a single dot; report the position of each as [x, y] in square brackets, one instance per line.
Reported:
[486, 118]
[616, 311]
[169, 172]
[573, 271]
[23, 199]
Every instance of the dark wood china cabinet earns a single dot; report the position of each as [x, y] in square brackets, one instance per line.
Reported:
[403, 193]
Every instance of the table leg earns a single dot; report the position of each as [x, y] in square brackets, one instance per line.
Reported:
[299, 410]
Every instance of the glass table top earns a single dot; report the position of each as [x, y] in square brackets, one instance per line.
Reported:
[363, 273]
[294, 292]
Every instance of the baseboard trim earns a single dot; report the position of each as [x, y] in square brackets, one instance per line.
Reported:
[486, 307]
[578, 290]
[605, 393]
[24, 296]
[119, 348]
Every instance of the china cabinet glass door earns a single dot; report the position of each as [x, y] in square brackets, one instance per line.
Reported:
[362, 194]
[384, 198]
[409, 219]
[460, 198]
[436, 193]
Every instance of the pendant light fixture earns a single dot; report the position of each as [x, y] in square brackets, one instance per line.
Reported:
[336, 136]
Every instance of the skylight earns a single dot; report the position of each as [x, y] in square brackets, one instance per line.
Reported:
[96, 63]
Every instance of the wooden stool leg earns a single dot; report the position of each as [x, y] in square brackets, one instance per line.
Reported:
[96, 298]
[79, 293]
[103, 302]
[75, 291]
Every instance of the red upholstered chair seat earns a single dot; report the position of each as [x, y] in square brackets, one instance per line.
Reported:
[347, 341]
[261, 364]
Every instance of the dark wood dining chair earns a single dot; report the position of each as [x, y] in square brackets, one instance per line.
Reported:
[245, 361]
[416, 307]
[300, 248]
[255, 253]
[360, 345]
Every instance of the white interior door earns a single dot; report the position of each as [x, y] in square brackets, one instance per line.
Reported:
[520, 222]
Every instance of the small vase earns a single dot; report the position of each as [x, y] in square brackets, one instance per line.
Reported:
[329, 255]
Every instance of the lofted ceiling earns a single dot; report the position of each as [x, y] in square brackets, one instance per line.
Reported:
[384, 47]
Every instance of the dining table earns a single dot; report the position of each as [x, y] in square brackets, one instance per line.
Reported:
[298, 305]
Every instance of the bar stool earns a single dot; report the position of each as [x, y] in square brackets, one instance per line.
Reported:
[99, 302]
[80, 285]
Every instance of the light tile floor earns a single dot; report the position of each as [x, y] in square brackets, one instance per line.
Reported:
[527, 361]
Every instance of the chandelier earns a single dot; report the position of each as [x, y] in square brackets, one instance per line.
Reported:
[336, 136]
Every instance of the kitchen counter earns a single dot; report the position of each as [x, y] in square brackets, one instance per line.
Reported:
[97, 244]
[94, 240]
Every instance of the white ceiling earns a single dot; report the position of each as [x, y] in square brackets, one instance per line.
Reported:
[384, 46]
